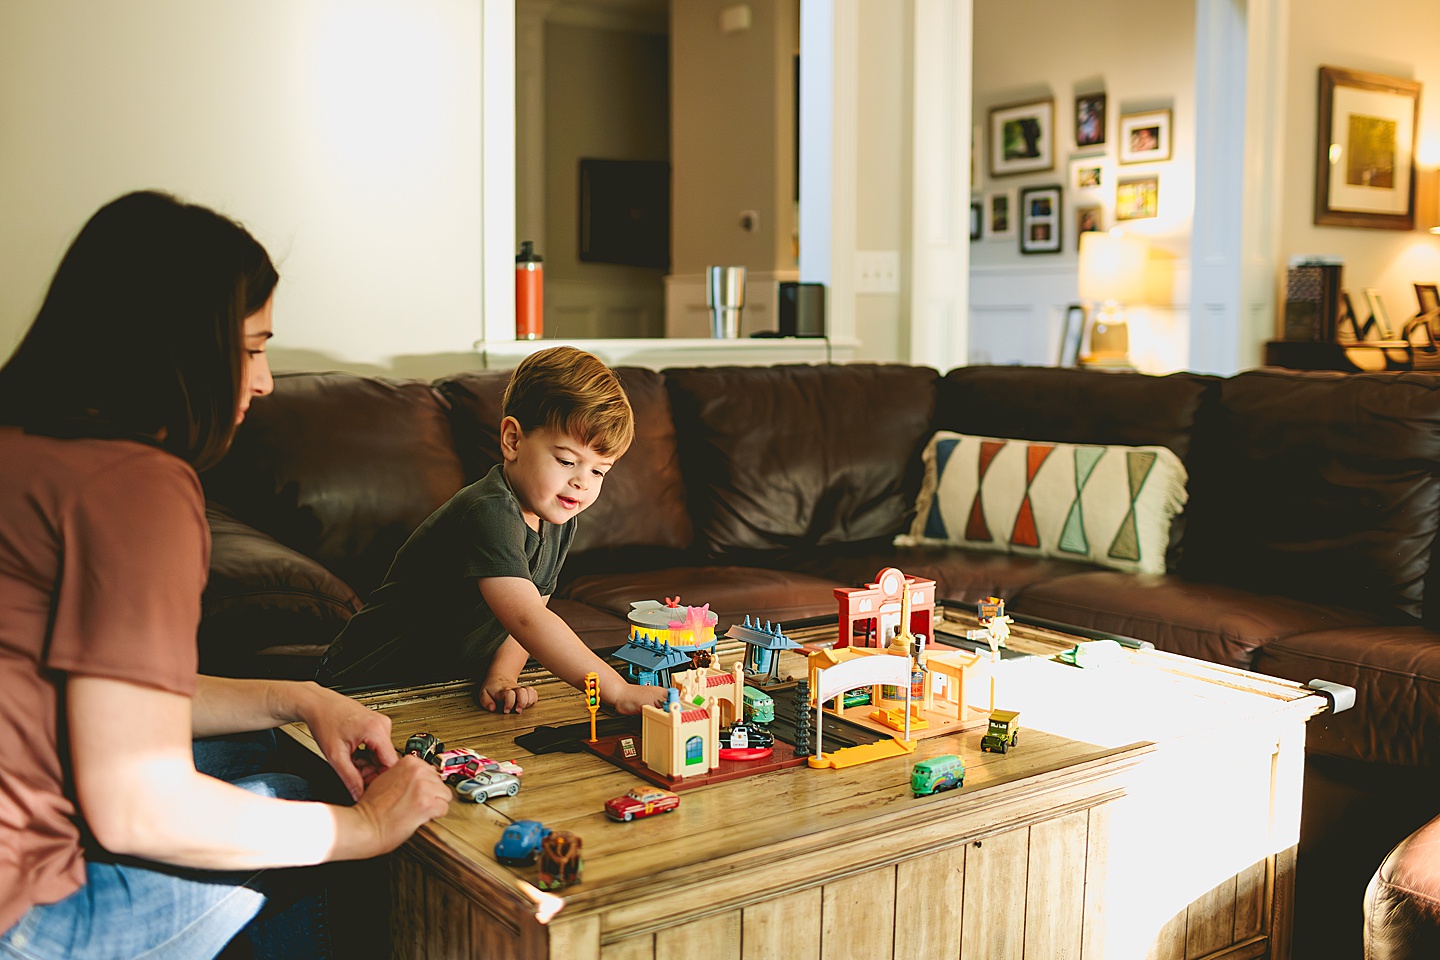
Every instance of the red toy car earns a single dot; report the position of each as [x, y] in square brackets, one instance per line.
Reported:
[641, 802]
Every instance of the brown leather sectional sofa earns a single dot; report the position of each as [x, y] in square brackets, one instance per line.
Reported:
[1307, 549]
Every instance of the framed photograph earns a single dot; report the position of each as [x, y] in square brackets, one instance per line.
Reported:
[1365, 151]
[1040, 227]
[1072, 330]
[1022, 138]
[1089, 173]
[1429, 296]
[977, 216]
[1137, 198]
[1087, 220]
[1090, 120]
[1145, 137]
[1001, 208]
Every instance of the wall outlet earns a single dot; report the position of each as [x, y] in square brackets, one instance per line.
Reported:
[877, 271]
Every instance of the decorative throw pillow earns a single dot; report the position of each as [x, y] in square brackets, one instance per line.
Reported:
[1108, 505]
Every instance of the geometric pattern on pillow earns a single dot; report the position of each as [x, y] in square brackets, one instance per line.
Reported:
[1108, 505]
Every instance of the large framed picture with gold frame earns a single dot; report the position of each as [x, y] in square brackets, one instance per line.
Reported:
[1365, 153]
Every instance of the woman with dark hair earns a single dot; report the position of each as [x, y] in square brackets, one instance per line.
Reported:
[143, 358]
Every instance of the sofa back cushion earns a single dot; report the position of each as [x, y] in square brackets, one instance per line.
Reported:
[793, 456]
[1067, 405]
[642, 504]
[341, 468]
[1324, 488]
[1074, 406]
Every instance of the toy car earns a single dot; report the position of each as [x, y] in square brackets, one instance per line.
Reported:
[945, 772]
[519, 843]
[560, 863]
[426, 746]
[463, 763]
[459, 764]
[1003, 733]
[641, 802]
[485, 785]
[742, 735]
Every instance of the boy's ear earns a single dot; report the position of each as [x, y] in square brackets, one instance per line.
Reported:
[510, 434]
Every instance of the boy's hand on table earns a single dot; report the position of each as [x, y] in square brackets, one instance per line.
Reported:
[505, 695]
[634, 696]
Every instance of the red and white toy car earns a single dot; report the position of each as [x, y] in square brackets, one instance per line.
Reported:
[463, 763]
[641, 802]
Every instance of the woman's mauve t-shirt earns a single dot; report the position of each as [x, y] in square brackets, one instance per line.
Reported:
[103, 554]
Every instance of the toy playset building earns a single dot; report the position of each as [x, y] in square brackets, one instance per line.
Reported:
[763, 646]
[663, 636]
[876, 606]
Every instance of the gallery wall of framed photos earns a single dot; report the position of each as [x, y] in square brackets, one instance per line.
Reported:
[1047, 115]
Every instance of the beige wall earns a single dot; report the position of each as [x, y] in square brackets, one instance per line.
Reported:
[731, 132]
[1400, 38]
[345, 133]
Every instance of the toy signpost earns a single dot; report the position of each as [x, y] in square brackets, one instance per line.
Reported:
[592, 699]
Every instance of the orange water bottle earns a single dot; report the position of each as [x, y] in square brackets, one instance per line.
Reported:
[529, 293]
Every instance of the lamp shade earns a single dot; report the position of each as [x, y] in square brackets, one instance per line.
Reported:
[1112, 267]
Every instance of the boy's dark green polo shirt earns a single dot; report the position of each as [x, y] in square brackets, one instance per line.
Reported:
[428, 620]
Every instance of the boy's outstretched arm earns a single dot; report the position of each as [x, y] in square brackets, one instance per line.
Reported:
[537, 629]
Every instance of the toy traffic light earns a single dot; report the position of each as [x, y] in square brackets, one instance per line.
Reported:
[592, 699]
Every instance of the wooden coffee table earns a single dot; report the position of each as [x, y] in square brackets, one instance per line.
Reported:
[1151, 809]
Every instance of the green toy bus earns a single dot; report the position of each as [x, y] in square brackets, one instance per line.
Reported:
[759, 708]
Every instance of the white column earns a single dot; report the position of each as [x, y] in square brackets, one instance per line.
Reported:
[1239, 127]
[940, 204]
[829, 107]
[497, 171]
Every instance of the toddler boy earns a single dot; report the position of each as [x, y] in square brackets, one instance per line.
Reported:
[467, 593]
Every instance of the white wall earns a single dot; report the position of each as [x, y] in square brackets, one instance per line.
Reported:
[1403, 40]
[1142, 55]
[346, 134]
[882, 160]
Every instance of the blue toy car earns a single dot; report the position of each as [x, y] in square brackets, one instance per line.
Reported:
[520, 841]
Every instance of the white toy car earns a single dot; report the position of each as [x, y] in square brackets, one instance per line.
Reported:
[483, 786]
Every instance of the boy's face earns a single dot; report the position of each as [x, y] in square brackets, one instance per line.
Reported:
[554, 476]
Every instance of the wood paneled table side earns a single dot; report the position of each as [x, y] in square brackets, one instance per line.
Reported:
[1151, 810]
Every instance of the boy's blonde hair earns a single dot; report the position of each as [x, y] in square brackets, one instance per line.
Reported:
[573, 392]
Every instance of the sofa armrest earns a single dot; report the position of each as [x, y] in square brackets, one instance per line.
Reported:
[1402, 903]
[265, 598]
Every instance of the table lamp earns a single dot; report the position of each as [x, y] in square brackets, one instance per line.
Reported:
[1112, 273]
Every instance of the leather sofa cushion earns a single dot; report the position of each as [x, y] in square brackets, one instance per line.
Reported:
[797, 456]
[1203, 620]
[264, 598]
[341, 468]
[731, 592]
[1396, 675]
[964, 576]
[642, 503]
[1322, 487]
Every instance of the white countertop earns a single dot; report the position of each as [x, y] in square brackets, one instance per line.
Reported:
[658, 353]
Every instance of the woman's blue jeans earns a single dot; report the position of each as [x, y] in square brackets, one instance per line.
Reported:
[132, 909]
